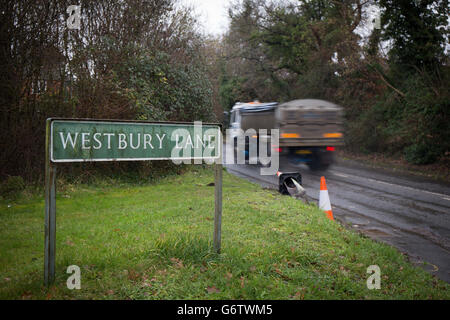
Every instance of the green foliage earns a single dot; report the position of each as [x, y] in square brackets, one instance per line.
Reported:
[410, 118]
[417, 30]
[230, 92]
[160, 89]
[366, 133]
[421, 153]
[12, 187]
[415, 126]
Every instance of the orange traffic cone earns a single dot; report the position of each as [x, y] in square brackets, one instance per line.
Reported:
[324, 199]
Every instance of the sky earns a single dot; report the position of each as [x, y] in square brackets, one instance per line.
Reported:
[213, 14]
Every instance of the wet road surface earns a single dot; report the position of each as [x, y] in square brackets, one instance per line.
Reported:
[408, 212]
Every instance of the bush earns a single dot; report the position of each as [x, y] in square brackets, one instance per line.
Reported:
[414, 125]
[367, 132]
[160, 89]
[12, 187]
[421, 154]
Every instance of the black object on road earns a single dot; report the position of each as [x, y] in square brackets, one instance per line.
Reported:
[284, 178]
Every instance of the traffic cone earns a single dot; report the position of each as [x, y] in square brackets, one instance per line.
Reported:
[324, 199]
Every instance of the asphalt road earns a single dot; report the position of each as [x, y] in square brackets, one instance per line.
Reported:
[410, 213]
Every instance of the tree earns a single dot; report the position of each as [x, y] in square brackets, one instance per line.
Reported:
[287, 51]
[418, 30]
[129, 59]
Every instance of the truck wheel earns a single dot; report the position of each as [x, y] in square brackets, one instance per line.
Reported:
[317, 166]
[320, 162]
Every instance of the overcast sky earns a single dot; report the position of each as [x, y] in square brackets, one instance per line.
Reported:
[213, 14]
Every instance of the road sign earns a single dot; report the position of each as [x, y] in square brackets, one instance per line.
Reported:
[79, 140]
[75, 141]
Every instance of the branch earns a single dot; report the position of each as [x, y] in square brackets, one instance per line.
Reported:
[387, 83]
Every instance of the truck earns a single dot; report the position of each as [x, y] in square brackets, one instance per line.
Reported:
[309, 129]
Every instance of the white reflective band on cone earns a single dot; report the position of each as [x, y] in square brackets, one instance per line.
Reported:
[324, 200]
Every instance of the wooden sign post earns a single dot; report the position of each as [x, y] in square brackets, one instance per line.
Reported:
[82, 140]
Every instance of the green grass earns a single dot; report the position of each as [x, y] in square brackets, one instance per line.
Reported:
[155, 242]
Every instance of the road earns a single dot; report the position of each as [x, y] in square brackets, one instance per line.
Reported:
[410, 213]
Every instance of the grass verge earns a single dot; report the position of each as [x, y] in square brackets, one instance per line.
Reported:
[155, 242]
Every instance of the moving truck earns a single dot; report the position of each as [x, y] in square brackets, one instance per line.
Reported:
[309, 129]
